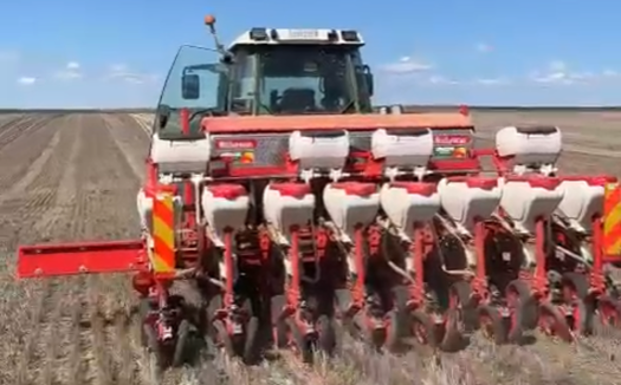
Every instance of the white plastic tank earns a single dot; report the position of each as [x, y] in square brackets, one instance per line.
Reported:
[524, 199]
[408, 149]
[288, 204]
[530, 145]
[225, 207]
[181, 155]
[396, 109]
[406, 203]
[145, 210]
[319, 151]
[583, 198]
[465, 199]
[350, 204]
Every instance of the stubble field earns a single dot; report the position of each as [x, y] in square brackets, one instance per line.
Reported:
[71, 176]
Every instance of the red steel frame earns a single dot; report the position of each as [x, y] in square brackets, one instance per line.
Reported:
[539, 279]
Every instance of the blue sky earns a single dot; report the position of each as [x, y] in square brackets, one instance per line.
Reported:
[69, 53]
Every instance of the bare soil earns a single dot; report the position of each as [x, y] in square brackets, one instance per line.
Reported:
[70, 177]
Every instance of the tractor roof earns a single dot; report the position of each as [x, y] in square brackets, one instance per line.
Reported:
[269, 36]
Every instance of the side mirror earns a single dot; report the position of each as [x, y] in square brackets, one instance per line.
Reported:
[190, 87]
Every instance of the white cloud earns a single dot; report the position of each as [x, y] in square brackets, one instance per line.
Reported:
[27, 80]
[558, 72]
[406, 65]
[441, 80]
[608, 73]
[124, 73]
[484, 48]
[500, 81]
[72, 70]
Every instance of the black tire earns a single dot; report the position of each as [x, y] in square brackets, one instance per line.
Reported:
[584, 305]
[211, 308]
[492, 324]
[251, 353]
[556, 322]
[609, 311]
[424, 329]
[280, 326]
[584, 316]
[343, 300]
[395, 332]
[327, 339]
[208, 348]
[579, 282]
[526, 313]
[453, 338]
[305, 346]
[462, 290]
[399, 320]
[143, 309]
[182, 344]
[156, 357]
[224, 338]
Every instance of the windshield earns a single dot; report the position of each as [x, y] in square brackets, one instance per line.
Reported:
[298, 79]
[280, 80]
[203, 64]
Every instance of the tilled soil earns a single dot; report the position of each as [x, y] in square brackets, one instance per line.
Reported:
[70, 177]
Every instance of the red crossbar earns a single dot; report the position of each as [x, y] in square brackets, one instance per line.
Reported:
[46, 260]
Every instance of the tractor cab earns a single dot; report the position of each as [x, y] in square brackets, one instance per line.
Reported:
[266, 72]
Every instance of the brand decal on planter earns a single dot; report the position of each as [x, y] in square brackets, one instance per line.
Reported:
[451, 140]
[235, 144]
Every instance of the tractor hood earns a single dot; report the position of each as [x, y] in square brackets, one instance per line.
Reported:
[256, 124]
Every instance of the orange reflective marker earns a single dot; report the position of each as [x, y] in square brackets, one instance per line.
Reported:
[210, 20]
[163, 255]
[612, 220]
